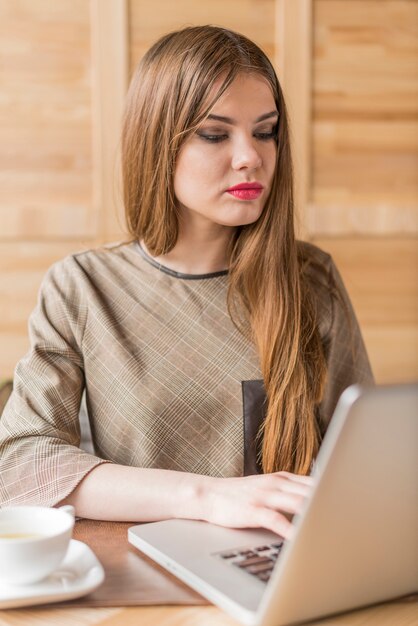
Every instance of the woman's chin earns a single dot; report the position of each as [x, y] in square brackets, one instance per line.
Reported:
[241, 216]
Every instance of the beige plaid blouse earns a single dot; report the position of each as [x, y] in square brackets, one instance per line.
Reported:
[169, 381]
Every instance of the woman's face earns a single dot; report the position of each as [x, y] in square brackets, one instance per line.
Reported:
[235, 146]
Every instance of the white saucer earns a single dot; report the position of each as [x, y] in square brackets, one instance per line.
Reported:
[79, 574]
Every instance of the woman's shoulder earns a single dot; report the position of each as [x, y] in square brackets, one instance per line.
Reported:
[90, 261]
[84, 274]
[318, 274]
[109, 253]
[316, 264]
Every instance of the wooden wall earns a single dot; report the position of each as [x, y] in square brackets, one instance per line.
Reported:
[349, 69]
[363, 202]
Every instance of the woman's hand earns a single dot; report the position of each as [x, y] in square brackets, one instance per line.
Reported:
[266, 501]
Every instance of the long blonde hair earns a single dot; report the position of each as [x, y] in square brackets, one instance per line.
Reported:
[269, 298]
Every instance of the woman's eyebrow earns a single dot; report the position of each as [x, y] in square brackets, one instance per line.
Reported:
[229, 120]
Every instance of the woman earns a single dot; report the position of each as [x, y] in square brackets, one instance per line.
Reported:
[212, 346]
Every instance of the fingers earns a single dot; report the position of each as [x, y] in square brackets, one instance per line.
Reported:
[284, 482]
[274, 521]
[293, 487]
[297, 478]
[282, 501]
[285, 494]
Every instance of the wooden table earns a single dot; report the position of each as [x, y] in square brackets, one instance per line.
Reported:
[132, 579]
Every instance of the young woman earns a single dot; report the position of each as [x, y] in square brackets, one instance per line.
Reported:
[212, 346]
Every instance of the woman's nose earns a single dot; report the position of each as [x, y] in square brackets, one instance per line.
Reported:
[246, 156]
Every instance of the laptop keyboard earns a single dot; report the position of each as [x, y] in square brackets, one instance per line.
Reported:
[258, 561]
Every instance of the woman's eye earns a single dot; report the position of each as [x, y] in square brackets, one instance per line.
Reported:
[265, 136]
[212, 138]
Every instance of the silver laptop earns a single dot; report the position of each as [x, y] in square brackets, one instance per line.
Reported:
[355, 542]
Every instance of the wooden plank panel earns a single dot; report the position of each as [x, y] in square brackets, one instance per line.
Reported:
[45, 161]
[294, 66]
[365, 177]
[366, 216]
[365, 118]
[365, 59]
[148, 21]
[381, 276]
[110, 52]
[393, 352]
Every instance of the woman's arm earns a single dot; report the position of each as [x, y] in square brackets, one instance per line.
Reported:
[120, 493]
[40, 461]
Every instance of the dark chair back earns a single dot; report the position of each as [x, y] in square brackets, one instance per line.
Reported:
[6, 387]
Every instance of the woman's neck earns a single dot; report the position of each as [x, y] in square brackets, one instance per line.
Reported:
[197, 253]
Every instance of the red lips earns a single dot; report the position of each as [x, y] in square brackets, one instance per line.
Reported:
[246, 191]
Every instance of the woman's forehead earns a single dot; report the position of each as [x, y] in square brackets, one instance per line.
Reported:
[249, 91]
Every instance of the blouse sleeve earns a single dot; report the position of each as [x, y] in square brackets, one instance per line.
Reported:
[345, 352]
[40, 461]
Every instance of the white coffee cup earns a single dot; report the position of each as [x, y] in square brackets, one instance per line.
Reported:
[33, 542]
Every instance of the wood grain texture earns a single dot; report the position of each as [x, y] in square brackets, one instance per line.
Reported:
[254, 18]
[294, 67]
[374, 42]
[393, 352]
[365, 118]
[110, 54]
[55, 616]
[45, 125]
[397, 614]
[401, 613]
[132, 579]
[381, 276]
